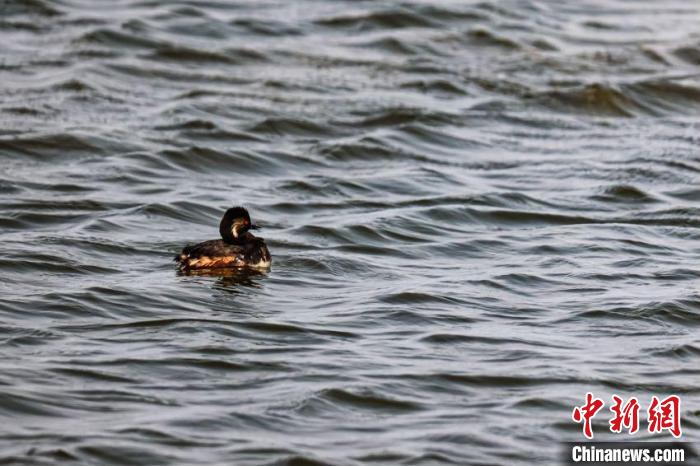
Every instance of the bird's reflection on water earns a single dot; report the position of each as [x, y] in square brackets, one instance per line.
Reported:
[230, 279]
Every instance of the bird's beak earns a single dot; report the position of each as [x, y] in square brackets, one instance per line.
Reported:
[254, 226]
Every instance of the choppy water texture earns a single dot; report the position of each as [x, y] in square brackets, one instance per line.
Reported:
[478, 211]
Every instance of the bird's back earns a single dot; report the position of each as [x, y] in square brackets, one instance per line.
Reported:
[251, 252]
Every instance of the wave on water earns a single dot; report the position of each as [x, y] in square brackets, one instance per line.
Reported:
[477, 211]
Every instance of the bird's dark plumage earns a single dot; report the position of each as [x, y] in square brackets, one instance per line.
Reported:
[237, 248]
[228, 219]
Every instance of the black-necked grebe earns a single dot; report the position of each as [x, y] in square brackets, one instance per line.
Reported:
[237, 248]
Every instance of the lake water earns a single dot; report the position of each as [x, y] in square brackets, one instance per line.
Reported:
[478, 211]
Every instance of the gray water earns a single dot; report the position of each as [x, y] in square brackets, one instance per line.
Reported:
[478, 211]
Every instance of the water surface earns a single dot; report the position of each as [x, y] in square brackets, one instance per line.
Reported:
[478, 211]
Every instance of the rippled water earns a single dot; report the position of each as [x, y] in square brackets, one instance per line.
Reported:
[477, 211]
